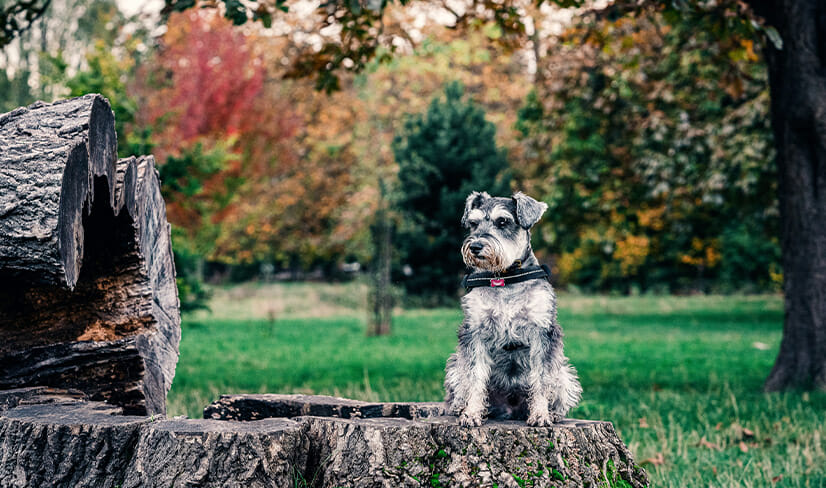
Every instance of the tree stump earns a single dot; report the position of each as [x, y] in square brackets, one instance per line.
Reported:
[88, 298]
[352, 443]
[52, 438]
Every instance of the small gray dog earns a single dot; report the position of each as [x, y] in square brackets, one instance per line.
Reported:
[509, 362]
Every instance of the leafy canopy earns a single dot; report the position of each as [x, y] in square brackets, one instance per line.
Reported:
[363, 32]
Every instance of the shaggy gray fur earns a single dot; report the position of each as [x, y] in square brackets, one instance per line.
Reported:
[509, 363]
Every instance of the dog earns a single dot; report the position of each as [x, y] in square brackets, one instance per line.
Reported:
[509, 361]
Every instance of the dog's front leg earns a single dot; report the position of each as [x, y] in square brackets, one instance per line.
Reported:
[478, 373]
[538, 404]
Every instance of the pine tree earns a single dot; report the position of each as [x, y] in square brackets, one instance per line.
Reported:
[443, 155]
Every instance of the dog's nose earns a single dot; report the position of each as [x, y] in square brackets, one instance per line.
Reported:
[476, 248]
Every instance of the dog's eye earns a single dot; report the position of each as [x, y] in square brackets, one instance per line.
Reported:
[502, 223]
[473, 224]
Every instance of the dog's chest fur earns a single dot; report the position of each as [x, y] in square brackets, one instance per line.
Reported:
[508, 316]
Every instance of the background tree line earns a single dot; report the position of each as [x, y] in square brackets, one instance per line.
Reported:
[650, 141]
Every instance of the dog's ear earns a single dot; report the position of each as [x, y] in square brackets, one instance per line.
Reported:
[528, 210]
[474, 200]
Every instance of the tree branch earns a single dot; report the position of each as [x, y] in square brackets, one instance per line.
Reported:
[10, 24]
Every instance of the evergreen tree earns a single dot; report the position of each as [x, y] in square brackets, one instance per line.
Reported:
[443, 155]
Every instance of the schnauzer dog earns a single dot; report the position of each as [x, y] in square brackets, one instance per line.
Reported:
[509, 362]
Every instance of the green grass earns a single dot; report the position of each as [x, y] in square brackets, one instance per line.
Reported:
[679, 377]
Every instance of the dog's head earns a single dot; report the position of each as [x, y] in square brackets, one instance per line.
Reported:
[498, 229]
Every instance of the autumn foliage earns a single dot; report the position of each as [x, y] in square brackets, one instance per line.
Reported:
[245, 175]
[648, 137]
[650, 141]
[204, 81]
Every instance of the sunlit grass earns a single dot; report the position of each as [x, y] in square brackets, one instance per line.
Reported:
[679, 377]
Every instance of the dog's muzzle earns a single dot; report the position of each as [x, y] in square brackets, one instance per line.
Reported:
[484, 253]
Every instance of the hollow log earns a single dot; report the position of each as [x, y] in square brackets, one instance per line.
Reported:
[88, 298]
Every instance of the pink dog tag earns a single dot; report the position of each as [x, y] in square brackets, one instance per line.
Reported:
[497, 282]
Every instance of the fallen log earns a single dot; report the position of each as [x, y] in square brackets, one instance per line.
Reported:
[88, 298]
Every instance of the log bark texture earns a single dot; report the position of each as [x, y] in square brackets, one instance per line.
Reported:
[88, 298]
[49, 157]
[797, 82]
[50, 438]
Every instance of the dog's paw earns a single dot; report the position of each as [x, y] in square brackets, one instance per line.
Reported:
[556, 417]
[540, 420]
[470, 420]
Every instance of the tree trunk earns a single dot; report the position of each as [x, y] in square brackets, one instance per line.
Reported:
[797, 78]
[87, 283]
[381, 288]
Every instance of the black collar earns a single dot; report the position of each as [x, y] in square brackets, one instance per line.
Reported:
[512, 275]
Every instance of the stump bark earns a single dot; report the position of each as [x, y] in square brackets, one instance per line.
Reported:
[51, 438]
[365, 444]
[88, 298]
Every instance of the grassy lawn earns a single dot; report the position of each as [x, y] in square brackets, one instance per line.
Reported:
[679, 377]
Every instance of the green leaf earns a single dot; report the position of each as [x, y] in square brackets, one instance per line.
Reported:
[181, 5]
[236, 12]
[264, 16]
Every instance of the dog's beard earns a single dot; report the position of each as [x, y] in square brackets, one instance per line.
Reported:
[492, 257]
